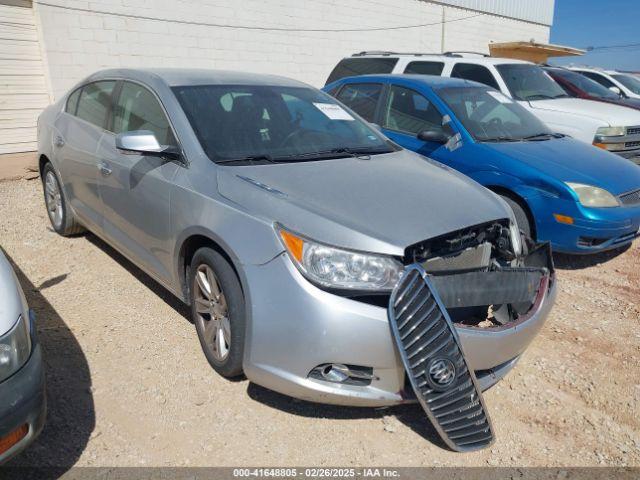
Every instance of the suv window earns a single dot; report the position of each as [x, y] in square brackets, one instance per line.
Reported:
[350, 67]
[602, 80]
[361, 98]
[95, 101]
[477, 73]
[138, 109]
[72, 102]
[410, 112]
[425, 68]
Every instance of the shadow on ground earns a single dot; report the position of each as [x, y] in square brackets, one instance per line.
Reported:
[166, 296]
[410, 415]
[564, 261]
[70, 408]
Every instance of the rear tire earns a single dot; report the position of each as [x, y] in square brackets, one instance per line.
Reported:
[522, 219]
[60, 215]
[218, 311]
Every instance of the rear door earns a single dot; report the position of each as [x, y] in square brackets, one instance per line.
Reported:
[136, 189]
[78, 132]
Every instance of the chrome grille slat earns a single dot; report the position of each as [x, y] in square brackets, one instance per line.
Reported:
[430, 350]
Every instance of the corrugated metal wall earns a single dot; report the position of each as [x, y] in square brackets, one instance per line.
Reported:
[538, 11]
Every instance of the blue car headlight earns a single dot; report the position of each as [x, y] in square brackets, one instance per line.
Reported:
[15, 348]
[591, 196]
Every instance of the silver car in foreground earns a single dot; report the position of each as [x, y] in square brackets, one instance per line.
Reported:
[22, 391]
[291, 226]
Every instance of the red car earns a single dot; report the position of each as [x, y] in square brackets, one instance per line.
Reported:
[580, 86]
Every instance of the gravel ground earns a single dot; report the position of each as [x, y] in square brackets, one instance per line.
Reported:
[129, 386]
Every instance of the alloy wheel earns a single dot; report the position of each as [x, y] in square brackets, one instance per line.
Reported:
[212, 313]
[53, 198]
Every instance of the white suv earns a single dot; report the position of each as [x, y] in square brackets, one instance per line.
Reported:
[612, 127]
[621, 83]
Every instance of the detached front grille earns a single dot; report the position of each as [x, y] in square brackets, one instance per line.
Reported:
[435, 364]
[631, 198]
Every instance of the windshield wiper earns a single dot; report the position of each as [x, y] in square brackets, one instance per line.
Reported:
[538, 136]
[340, 152]
[248, 159]
[500, 139]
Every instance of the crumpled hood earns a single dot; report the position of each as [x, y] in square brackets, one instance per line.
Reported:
[570, 160]
[383, 204]
[614, 115]
[10, 297]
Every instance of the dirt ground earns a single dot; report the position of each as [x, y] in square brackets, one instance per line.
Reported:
[129, 386]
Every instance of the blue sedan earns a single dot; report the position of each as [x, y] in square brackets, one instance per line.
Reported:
[578, 197]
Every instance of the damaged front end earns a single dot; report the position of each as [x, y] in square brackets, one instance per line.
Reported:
[480, 278]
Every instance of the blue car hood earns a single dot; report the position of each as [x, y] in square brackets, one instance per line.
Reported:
[569, 160]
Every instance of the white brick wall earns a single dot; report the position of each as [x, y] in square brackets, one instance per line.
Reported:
[77, 43]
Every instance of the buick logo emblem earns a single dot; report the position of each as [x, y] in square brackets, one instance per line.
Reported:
[442, 373]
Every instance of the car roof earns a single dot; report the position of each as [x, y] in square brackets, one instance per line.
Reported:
[190, 76]
[467, 58]
[432, 81]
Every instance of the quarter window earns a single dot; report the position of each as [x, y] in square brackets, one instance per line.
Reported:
[425, 68]
[72, 102]
[410, 112]
[476, 73]
[361, 98]
[350, 67]
[138, 109]
[94, 102]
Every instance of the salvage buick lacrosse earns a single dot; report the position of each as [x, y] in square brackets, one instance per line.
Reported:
[318, 257]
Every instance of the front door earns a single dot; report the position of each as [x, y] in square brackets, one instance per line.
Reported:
[136, 189]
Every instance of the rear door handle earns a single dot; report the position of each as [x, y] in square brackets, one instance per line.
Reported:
[104, 169]
[59, 141]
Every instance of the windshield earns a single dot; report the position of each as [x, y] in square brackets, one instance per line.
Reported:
[585, 84]
[272, 123]
[632, 83]
[529, 82]
[488, 115]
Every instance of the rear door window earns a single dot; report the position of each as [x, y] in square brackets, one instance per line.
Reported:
[425, 68]
[602, 80]
[362, 98]
[410, 112]
[476, 73]
[95, 102]
[350, 67]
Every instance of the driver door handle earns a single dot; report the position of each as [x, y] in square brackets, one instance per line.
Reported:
[104, 169]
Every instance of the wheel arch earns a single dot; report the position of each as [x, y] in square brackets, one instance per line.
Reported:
[520, 200]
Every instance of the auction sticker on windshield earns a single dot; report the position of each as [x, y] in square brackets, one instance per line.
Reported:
[333, 111]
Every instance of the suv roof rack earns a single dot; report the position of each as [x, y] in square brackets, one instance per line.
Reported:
[384, 53]
[460, 53]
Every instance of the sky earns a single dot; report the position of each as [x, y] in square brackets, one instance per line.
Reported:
[596, 23]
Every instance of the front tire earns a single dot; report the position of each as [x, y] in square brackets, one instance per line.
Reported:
[60, 215]
[522, 219]
[218, 311]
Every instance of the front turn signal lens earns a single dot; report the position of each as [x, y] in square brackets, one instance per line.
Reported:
[8, 441]
[294, 244]
[563, 219]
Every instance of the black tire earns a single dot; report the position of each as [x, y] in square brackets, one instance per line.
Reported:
[67, 225]
[229, 286]
[522, 219]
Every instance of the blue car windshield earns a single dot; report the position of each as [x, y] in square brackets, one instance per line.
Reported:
[488, 115]
[275, 124]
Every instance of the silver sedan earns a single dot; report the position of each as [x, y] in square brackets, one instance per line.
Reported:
[286, 221]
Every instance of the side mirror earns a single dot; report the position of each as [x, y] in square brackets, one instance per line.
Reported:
[143, 142]
[616, 90]
[434, 136]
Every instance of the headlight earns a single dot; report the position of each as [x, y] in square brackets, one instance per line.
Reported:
[591, 196]
[611, 131]
[342, 269]
[15, 348]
